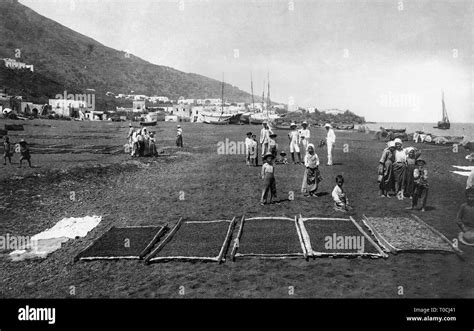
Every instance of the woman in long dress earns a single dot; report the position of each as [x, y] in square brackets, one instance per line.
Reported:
[312, 176]
[386, 182]
[399, 167]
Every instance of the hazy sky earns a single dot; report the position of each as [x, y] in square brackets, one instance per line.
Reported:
[387, 60]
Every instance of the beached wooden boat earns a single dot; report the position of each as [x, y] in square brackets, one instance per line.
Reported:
[14, 127]
[152, 123]
[444, 123]
[345, 126]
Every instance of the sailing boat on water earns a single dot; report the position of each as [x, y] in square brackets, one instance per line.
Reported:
[444, 123]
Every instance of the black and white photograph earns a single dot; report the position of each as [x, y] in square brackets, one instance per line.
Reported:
[296, 150]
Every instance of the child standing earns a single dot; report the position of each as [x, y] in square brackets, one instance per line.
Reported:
[25, 152]
[7, 150]
[272, 145]
[311, 176]
[248, 147]
[420, 177]
[254, 156]
[341, 202]
[268, 176]
[179, 136]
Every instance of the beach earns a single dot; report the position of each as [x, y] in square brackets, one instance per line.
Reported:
[88, 158]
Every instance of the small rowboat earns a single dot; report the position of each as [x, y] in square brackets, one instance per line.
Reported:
[153, 123]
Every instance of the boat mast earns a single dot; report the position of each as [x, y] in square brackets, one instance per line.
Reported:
[251, 89]
[268, 93]
[222, 98]
[263, 95]
[445, 113]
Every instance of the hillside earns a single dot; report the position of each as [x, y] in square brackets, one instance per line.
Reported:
[66, 60]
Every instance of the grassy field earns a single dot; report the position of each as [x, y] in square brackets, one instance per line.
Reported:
[86, 157]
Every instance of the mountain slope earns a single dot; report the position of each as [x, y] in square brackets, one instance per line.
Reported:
[77, 62]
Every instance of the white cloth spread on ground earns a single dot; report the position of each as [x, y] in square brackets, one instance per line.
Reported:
[46, 242]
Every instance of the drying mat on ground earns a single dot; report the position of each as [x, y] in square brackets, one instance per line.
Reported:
[397, 234]
[269, 238]
[337, 237]
[195, 241]
[123, 243]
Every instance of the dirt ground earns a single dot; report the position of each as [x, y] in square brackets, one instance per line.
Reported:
[87, 158]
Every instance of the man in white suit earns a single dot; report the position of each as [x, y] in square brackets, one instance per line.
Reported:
[330, 141]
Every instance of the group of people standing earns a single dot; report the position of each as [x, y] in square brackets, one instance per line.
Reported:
[402, 172]
[141, 142]
[22, 148]
[299, 139]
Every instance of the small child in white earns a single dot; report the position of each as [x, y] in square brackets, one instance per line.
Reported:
[341, 202]
[268, 176]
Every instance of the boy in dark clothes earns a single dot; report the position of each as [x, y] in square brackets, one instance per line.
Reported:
[7, 150]
[25, 152]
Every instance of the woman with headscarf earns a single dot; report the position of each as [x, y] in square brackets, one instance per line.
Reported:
[312, 176]
[385, 178]
[399, 168]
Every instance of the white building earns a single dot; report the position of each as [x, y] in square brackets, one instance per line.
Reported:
[333, 111]
[65, 107]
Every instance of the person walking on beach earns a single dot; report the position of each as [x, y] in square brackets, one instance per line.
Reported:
[312, 176]
[294, 137]
[385, 172]
[420, 175]
[305, 134]
[248, 147]
[330, 141]
[268, 176]
[399, 167]
[264, 137]
[179, 136]
[7, 154]
[24, 152]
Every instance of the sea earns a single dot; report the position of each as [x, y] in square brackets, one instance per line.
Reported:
[457, 129]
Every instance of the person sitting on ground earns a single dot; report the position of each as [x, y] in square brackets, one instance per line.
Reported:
[248, 146]
[465, 219]
[282, 159]
[7, 154]
[25, 152]
[341, 202]
[420, 176]
[268, 176]
[311, 177]
[272, 144]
